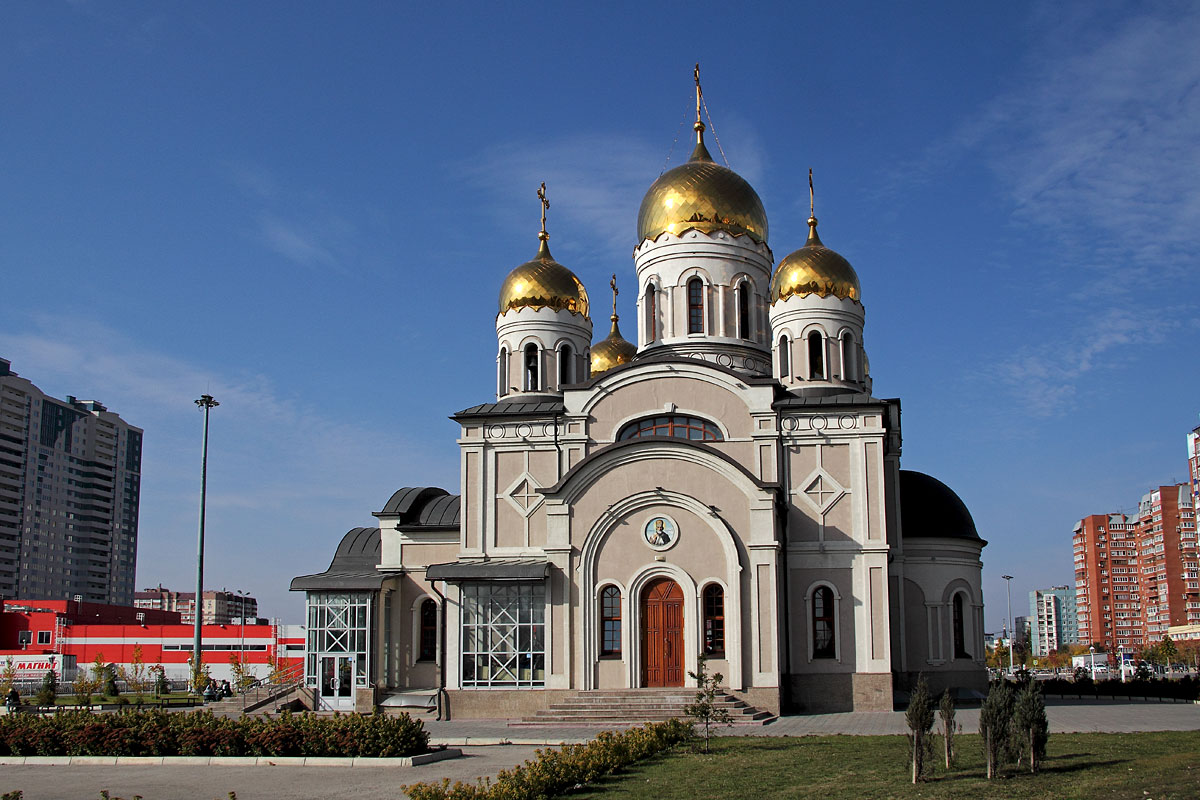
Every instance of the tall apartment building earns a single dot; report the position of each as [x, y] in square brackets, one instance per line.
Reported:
[1193, 450]
[1054, 620]
[70, 481]
[1107, 590]
[220, 608]
[1168, 561]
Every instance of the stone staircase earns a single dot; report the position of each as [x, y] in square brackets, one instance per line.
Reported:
[619, 707]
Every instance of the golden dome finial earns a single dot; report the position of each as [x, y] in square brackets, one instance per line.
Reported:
[541, 193]
[701, 152]
[613, 284]
[613, 350]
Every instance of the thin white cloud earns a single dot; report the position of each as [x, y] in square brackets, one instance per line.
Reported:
[1096, 149]
[295, 244]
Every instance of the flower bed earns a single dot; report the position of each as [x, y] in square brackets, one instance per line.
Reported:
[158, 733]
[556, 771]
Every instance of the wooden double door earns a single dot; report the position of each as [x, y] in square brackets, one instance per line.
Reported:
[662, 634]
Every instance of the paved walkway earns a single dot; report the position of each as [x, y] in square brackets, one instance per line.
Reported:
[371, 783]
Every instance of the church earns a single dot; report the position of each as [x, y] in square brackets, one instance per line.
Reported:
[727, 485]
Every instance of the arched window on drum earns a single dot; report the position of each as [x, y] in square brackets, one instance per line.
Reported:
[676, 426]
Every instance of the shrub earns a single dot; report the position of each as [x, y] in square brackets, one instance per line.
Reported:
[553, 772]
[995, 724]
[158, 733]
[1030, 728]
[49, 691]
[919, 717]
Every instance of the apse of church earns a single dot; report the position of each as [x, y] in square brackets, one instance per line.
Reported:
[726, 485]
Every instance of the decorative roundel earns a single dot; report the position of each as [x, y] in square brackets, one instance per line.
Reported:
[495, 431]
[725, 360]
[524, 430]
[750, 363]
[818, 423]
[846, 421]
[790, 423]
[660, 533]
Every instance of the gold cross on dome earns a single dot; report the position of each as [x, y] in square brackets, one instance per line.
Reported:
[541, 193]
[613, 284]
[810, 193]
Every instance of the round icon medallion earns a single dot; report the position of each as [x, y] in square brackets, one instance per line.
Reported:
[660, 533]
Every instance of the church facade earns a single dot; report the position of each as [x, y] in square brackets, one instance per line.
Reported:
[727, 485]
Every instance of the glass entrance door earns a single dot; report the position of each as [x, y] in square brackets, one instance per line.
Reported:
[336, 681]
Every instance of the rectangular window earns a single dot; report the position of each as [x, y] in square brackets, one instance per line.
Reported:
[503, 635]
[43, 637]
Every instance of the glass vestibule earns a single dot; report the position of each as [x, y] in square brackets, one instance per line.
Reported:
[339, 627]
[503, 635]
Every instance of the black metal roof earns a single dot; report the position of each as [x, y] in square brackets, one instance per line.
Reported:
[794, 400]
[421, 507]
[512, 408]
[522, 569]
[931, 509]
[352, 568]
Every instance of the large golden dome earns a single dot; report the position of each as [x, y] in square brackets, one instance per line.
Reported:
[815, 269]
[611, 352]
[702, 195]
[543, 283]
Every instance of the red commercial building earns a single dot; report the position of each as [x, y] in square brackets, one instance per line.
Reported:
[36, 635]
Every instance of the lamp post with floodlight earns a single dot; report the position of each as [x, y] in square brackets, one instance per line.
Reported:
[207, 404]
[1008, 622]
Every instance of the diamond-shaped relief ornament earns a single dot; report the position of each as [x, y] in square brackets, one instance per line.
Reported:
[523, 494]
[823, 491]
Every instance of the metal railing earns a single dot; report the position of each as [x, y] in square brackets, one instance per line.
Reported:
[281, 682]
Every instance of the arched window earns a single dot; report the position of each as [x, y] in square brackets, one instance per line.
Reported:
[714, 621]
[743, 310]
[676, 425]
[785, 357]
[695, 289]
[610, 621]
[531, 368]
[816, 356]
[651, 313]
[502, 382]
[566, 365]
[427, 650]
[824, 640]
[849, 357]
[960, 637]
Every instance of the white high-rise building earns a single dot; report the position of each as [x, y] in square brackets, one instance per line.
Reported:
[70, 482]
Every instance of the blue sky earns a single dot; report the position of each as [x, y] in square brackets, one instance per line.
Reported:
[307, 209]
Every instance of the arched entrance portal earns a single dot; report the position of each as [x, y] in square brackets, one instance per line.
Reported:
[662, 634]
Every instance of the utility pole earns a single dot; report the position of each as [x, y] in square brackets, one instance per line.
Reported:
[207, 404]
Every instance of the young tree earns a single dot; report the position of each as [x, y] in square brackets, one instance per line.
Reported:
[1030, 728]
[1167, 651]
[949, 726]
[84, 686]
[995, 724]
[49, 691]
[919, 717]
[136, 676]
[241, 676]
[8, 676]
[161, 687]
[705, 710]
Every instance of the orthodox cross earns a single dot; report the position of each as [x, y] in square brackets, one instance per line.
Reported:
[699, 94]
[541, 193]
[613, 284]
[810, 193]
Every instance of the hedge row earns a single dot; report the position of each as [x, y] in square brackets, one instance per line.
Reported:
[158, 733]
[553, 772]
[1186, 688]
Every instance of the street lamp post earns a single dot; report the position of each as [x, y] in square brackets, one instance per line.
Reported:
[1008, 622]
[1121, 656]
[1092, 651]
[207, 404]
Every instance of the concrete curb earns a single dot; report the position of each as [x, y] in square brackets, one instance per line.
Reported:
[229, 761]
[490, 741]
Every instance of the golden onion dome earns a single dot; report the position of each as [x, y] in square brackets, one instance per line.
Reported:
[612, 351]
[543, 283]
[704, 196]
[815, 269]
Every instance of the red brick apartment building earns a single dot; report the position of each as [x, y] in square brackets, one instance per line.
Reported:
[1137, 576]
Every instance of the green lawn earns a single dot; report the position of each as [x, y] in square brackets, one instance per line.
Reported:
[1092, 766]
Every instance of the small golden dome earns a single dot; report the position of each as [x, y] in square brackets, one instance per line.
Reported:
[543, 283]
[815, 269]
[702, 195]
[611, 352]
